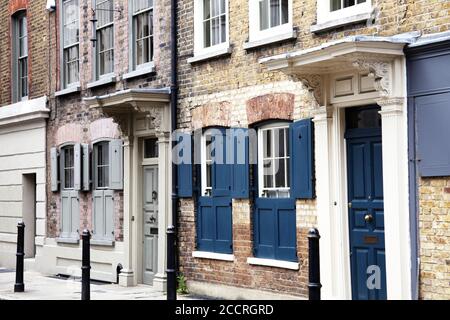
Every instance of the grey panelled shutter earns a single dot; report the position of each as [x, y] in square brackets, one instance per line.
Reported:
[66, 220]
[75, 214]
[70, 214]
[54, 169]
[116, 165]
[86, 167]
[99, 220]
[109, 214]
[77, 166]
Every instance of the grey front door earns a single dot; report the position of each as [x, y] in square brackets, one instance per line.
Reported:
[150, 223]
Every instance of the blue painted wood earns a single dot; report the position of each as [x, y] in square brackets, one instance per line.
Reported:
[221, 170]
[275, 229]
[184, 169]
[239, 140]
[214, 225]
[432, 132]
[302, 159]
[365, 194]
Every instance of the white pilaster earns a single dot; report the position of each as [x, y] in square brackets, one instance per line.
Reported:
[396, 210]
[164, 166]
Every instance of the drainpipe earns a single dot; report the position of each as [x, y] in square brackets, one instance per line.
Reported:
[172, 248]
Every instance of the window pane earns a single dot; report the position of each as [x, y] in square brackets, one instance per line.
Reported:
[208, 175]
[223, 29]
[268, 173]
[335, 5]
[284, 11]
[280, 168]
[207, 34]
[102, 164]
[279, 142]
[215, 31]
[151, 148]
[106, 13]
[274, 13]
[263, 14]
[349, 3]
[139, 5]
[23, 77]
[206, 9]
[68, 167]
[267, 140]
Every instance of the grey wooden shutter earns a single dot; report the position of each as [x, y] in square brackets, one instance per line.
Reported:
[70, 214]
[86, 167]
[98, 212]
[116, 165]
[109, 214]
[66, 208]
[54, 169]
[77, 166]
[74, 214]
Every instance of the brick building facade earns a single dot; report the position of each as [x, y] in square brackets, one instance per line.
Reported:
[239, 84]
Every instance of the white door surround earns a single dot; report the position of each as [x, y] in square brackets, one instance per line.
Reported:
[346, 74]
[141, 113]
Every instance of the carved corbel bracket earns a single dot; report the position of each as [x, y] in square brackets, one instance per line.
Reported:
[313, 83]
[379, 70]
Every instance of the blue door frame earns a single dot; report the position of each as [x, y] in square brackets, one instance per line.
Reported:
[366, 213]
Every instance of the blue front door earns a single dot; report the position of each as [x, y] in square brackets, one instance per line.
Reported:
[365, 203]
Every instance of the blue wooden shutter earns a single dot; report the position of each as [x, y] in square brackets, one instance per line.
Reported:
[116, 165]
[86, 167]
[222, 171]
[184, 168]
[302, 159]
[223, 222]
[54, 169]
[206, 222]
[241, 178]
[433, 130]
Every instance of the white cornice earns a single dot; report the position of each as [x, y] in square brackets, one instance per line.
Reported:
[24, 111]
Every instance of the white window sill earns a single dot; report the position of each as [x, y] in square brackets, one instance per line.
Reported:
[273, 263]
[103, 243]
[71, 89]
[210, 55]
[67, 240]
[332, 24]
[139, 72]
[212, 256]
[102, 81]
[270, 40]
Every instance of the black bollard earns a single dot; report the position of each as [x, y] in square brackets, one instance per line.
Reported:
[171, 272]
[20, 286]
[86, 267]
[314, 265]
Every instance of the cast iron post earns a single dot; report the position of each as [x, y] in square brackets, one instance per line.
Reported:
[314, 265]
[171, 272]
[20, 286]
[86, 267]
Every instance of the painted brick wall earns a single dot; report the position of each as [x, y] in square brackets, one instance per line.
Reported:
[234, 80]
[71, 109]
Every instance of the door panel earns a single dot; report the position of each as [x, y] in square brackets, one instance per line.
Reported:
[366, 214]
[150, 223]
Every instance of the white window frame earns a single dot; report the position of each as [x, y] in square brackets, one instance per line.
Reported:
[206, 190]
[65, 85]
[132, 41]
[261, 188]
[96, 69]
[95, 165]
[255, 34]
[17, 88]
[63, 166]
[199, 49]
[324, 13]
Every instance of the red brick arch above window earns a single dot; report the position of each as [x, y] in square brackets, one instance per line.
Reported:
[270, 106]
[17, 5]
[211, 114]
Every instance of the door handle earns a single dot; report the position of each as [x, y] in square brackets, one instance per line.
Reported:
[368, 218]
[350, 205]
[154, 195]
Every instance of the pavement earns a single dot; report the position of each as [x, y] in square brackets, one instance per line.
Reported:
[42, 287]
